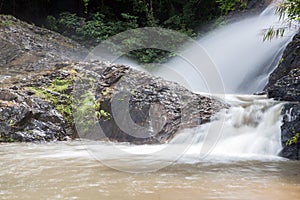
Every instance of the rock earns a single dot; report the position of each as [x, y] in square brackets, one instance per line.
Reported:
[28, 119]
[132, 106]
[289, 61]
[291, 131]
[25, 47]
[284, 85]
[164, 107]
[284, 81]
[286, 88]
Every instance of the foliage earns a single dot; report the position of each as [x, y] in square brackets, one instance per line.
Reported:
[92, 30]
[289, 14]
[227, 6]
[291, 8]
[293, 140]
[109, 19]
[86, 5]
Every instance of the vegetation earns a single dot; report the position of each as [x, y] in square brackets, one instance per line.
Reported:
[57, 93]
[293, 140]
[88, 112]
[91, 21]
[227, 6]
[289, 14]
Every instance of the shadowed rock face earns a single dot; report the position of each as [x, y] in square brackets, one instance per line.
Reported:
[284, 85]
[290, 60]
[290, 131]
[44, 78]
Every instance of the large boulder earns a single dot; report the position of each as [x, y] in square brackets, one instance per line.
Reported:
[147, 109]
[129, 105]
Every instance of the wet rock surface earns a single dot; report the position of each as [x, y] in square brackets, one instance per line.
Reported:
[286, 88]
[26, 118]
[159, 108]
[290, 131]
[284, 85]
[57, 97]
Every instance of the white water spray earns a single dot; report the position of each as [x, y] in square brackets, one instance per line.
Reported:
[251, 129]
[243, 60]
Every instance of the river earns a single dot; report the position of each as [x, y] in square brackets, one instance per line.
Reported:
[241, 162]
[68, 171]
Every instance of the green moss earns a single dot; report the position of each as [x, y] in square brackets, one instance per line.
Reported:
[293, 140]
[61, 102]
[88, 112]
[87, 106]
[60, 85]
[42, 93]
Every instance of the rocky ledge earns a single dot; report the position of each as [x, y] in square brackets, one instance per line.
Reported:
[129, 105]
[284, 85]
[57, 97]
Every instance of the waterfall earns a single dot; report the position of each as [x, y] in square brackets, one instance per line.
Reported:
[250, 129]
[243, 60]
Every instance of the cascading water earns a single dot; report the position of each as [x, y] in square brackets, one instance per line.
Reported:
[251, 127]
[239, 53]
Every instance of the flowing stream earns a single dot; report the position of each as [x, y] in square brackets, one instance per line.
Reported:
[233, 157]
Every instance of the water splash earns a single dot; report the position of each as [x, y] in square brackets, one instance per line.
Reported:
[251, 130]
